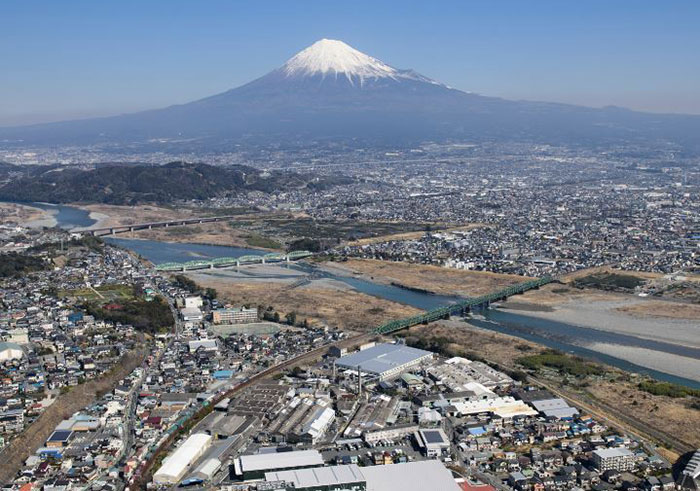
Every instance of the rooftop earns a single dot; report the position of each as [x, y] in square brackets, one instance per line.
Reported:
[280, 460]
[382, 358]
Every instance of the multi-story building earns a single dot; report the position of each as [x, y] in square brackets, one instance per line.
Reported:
[616, 459]
[235, 316]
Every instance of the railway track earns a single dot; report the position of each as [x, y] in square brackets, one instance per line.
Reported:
[144, 474]
[617, 419]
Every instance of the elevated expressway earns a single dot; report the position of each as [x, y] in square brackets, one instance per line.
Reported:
[120, 229]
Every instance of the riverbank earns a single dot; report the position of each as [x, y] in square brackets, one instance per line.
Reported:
[22, 214]
[609, 313]
[213, 233]
[681, 366]
[326, 302]
[434, 279]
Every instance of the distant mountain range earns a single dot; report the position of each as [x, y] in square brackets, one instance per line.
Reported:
[132, 184]
[332, 91]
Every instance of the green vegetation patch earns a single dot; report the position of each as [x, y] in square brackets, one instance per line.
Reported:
[610, 281]
[14, 265]
[667, 389]
[151, 317]
[191, 286]
[101, 294]
[257, 240]
[571, 365]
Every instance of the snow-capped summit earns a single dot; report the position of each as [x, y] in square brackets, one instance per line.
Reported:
[330, 57]
[332, 91]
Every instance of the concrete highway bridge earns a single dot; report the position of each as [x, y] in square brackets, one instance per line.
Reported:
[463, 307]
[120, 229]
[225, 262]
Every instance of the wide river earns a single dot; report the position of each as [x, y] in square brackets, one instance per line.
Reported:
[559, 335]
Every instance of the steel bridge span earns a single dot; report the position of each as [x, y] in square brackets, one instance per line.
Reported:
[225, 262]
[463, 307]
[120, 229]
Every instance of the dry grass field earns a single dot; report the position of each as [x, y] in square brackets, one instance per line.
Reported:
[16, 213]
[341, 308]
[444, 281]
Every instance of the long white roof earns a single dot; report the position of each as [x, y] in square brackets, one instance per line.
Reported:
[280, 460]
[176, 464]
[411, 476]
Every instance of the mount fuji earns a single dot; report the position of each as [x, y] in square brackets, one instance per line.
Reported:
[333, 91]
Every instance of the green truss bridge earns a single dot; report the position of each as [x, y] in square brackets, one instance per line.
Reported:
[225, 262]
[463, 307]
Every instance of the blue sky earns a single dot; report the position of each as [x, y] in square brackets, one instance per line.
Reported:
[68, 59]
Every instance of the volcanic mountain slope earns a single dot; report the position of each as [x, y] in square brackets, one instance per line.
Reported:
[330, 90]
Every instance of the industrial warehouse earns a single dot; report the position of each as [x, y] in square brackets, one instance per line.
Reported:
[385, 361]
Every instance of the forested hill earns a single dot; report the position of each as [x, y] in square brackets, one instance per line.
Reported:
[130, 184]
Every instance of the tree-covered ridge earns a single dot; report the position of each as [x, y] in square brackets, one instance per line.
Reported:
[131, 184]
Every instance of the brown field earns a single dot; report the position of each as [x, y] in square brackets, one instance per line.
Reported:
[669, 415]
[568, 278]
[16, 213]
[413, 235]
[467, 340]
[345, 309]
[555, 294]
[661, 308]
[215, 233]
[444, 281]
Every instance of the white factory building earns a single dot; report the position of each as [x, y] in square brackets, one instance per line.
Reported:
[423, 475]
[255, 466]
[384, 361]
[178, 463]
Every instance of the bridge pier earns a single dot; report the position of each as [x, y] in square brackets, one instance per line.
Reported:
[111, 231]
[286, 258]
[211, 265]
[150, 227]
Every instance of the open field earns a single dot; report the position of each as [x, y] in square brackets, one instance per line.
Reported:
[17, 213]
[615, 388]
[436, 279]
[663, 309]
[105, 293]
[216, 233]
[334, 306]
[414, 234]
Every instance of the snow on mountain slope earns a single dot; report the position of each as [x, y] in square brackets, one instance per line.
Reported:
[333, 91]
[330, 57]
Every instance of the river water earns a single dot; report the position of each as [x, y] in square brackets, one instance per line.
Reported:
[67, 217]
[166, 252]
[558, 335]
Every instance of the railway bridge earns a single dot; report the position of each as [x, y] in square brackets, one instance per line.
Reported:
[463, 307]
[225, 262]
[120, 229]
